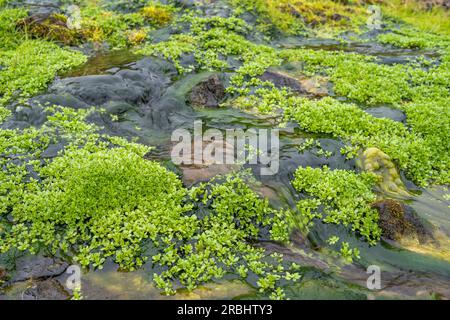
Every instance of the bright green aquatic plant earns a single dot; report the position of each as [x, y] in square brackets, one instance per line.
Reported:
[31, 66]
[355, 76]
[339, 197]
[211, 41]
[99, 199]
[407, 37]
[348, 121]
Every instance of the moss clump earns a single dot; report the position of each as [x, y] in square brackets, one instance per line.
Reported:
[136, 37]
[157, 14]
[50, 27]
[339, 197]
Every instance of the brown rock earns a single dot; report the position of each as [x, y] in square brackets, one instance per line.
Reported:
[3, 274]
[49, 289]
[35, 267]
[398, 221]
[316, 86]
[208, 93]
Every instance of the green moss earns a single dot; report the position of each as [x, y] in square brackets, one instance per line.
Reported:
[157, 14]
[370, 82]
[100, 25]
[172, 49]
[339, 197]
[211, 41]
[430, 120]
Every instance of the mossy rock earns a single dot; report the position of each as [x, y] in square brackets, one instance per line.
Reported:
[398, 221]
[49, 26]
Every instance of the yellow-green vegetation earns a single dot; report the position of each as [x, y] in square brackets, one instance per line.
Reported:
[31, 66]
[355, 76]
[209, 40]
[137, 36]
[295, 16]
[53, 27]
[99, 199]
[9, 36]
[157, 14]
[98, 24]
[407, 37]
[413, 12]
[27, 65]
[413, 153]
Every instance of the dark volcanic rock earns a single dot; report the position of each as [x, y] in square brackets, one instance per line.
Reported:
[35, 267]
[97, 90]
[398, 220]
[208, 93]
[143, 81]
[49, 289]
[385, 112]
